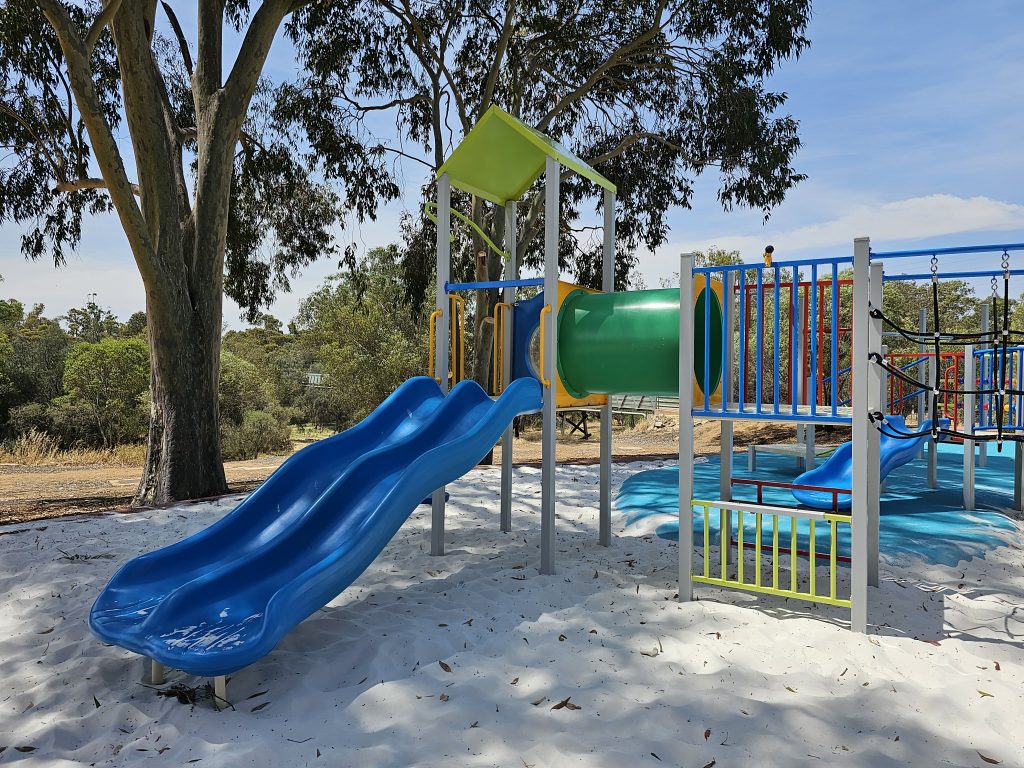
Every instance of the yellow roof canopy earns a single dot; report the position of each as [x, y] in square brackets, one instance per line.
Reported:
[501, 157]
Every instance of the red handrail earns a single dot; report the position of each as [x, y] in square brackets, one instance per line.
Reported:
[762, 484]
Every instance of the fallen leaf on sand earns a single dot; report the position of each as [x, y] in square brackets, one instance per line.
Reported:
[258, 707]
[444, 666]
[987, 759]
[985, 693]
[539, 701]
[711, 764]
[996, 663]
[707, 734]
[652, 653]
[24, 749]
[475, 724]
[515, 681]
[791, 690]
[566, 704]
[96, 702]
[561, 638]
[444, 697]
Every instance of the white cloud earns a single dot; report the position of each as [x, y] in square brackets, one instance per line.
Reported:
[916, 218]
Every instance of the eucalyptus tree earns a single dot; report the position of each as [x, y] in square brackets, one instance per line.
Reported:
[111, 108]
[651, 93]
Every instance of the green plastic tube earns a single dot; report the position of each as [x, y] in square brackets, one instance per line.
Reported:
[628, 342]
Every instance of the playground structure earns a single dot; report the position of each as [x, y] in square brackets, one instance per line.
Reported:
[985, 405]
[221, 599]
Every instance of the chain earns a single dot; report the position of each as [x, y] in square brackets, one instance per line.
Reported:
[1006, 264]
[995, 288]
[935, 269]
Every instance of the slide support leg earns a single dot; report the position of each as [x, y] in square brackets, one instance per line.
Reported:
[220, 689]
[154, 672]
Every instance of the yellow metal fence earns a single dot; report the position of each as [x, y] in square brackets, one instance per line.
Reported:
[799, 577]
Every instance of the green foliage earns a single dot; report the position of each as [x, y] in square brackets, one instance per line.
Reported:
[649, 93]
[251, 420]
[91, 322]
[365, 339]
[259, 432]
[106, 381]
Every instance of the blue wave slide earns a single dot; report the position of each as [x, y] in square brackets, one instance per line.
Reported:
[837, 471]
[221, 599]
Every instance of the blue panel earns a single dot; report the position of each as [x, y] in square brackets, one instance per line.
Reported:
[223, 598]
[525, 320]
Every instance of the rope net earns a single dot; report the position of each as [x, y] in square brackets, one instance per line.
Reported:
[997, 338]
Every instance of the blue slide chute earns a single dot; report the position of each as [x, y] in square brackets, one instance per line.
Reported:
[837, 471]
[223, 598]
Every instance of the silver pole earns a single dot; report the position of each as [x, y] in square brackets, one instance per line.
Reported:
[922, 371]
[686, 427]
[726, 438]
[551, 218]
[1018, 477]
[969, 418]
[985, 326]
[604, 537]
[862, 429]
[511, 273]
[876, 402]
[441, 337]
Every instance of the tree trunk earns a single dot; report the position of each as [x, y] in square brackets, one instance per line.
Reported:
[183, 455]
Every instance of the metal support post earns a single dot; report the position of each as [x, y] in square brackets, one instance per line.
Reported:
[1018, 477]
[604, 537]
[550, 373]
[876, 402]
[864, 463]
[726, 437]
[990, 420]
[922, 371]
[155, 671]
[511, 273]
[441, 338]
[969, 418]
[685, 427]
[933, 446]
[220, 689]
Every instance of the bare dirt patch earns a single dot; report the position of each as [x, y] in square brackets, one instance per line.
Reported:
[38, 492]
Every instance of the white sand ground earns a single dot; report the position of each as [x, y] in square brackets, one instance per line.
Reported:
[718, 682]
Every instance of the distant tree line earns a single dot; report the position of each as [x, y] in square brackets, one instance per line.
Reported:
[83, 378]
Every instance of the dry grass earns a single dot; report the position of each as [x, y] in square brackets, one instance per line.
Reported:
[38, 449]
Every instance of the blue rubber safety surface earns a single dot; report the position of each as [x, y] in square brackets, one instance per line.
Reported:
[915, 521]
[222, 598]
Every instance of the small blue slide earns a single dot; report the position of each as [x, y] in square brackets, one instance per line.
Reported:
[223, 598]
[837, 471]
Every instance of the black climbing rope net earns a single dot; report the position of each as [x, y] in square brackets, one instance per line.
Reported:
[997, 339]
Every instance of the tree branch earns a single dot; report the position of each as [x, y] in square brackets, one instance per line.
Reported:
[105, 149]
[80, 184]
[599, 72]
[186, 55]
[100, 23]
[499, 56]
[246, 71]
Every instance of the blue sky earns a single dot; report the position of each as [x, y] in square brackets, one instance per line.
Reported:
[912, 120]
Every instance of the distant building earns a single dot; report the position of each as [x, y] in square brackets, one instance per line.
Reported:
[314, 379]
